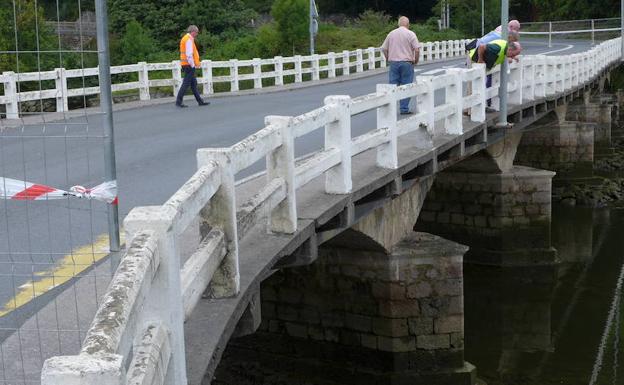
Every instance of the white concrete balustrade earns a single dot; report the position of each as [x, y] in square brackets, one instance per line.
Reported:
[139, 325]
[212, 73]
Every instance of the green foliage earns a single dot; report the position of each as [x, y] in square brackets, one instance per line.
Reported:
[22, 29]
[415, 10]
[374, 22]
[136, 44]
[260, 6]
[291, 19]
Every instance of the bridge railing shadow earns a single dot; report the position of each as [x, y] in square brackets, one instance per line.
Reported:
[137, 335]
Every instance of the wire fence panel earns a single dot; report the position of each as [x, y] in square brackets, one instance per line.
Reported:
[54, 246]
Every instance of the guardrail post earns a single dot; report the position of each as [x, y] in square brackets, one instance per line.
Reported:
[382, 59]
[165, 300]
[346, 62]
[436, 50]
[338, 135]
[454, 95]
[176, 74]
[84, 370]
[298, 73]
[61, 90]
[549, 75]
[221, 212]
[496, 79]
[316, 72]
[144, 90]
[387, 153]
[281, 164]
[208, 87]
[279, 71]
[234, 75]
[257, 70]
[372, 64]
[331, 64]
[359, 66]
[10, 91]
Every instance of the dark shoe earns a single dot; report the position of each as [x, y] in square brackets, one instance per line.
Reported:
[181, 105]
[406, 112]
[204, 103]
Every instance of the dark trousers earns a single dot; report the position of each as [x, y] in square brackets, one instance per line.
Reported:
[189, 81]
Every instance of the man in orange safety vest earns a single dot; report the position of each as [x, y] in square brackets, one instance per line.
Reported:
[189, 58]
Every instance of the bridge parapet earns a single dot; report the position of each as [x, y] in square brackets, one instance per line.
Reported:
[151, 295]
[216, 76]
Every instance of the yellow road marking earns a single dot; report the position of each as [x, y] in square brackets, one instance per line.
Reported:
[69, 267]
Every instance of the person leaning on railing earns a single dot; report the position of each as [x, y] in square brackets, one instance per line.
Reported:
[401, 49]
[189, 59]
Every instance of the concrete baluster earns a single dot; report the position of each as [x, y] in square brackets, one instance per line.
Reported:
[281, 164]
[176, 72]
[384, 62]
[549, 75]
[528, 77]
[372, 62]
[515, 78]
[429, 46]
[338, 135]
[10, 92]
[257, 70]
[346, 62]
[164, 303]
[436, 50]
[234, 75]
[316, 64]
[426, 103]
[540, 76]
[331, 65]
[221, 213]
[298, 73]
[387, 153]
[279, 71]
[61, 90]
[454, 95]
[359, 61]
[208, 88]
[144, 89]
[496, 78]
[477, 112]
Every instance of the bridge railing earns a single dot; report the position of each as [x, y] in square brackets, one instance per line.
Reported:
[139, 325]
[216, 76]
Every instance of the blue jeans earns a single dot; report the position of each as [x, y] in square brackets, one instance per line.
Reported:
[402, 72]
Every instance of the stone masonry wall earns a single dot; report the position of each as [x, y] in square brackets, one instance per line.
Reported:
[398, 312]
[497, 215]
[566, 148]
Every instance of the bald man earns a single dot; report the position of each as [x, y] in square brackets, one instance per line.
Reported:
[401, 49]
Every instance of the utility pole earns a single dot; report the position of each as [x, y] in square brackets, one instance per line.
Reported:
[502, 90]
[313, 25]
[622, 30]
[106, 104]
[483, 17]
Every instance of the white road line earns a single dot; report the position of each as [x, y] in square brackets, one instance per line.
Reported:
[567, 47]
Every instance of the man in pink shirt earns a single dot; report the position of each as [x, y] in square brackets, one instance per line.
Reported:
[401, 49]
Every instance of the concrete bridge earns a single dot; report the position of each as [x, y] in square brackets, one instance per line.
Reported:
[322, 248]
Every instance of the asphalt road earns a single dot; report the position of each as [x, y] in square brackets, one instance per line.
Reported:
[155, 150]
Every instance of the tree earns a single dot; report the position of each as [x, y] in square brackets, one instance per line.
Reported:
[291, 18]
[23, 29]
[136, 44]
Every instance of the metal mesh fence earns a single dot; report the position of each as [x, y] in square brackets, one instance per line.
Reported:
[53, 252]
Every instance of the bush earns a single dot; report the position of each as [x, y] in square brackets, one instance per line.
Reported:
[137, 45]
[291, 19]
[374, 22]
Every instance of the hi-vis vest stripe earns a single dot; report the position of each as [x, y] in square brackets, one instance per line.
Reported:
[183, 60]
[501, 54]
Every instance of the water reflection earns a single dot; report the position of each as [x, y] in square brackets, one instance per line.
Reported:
[544, 325]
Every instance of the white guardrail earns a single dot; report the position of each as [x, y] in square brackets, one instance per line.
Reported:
[330, 65]
[137, 336]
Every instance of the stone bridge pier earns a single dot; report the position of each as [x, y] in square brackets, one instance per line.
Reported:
[501, 210]
[382, 304]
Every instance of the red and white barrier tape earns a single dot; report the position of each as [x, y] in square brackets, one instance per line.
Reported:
[25, 191]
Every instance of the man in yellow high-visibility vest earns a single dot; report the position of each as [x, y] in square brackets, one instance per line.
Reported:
[189, 58]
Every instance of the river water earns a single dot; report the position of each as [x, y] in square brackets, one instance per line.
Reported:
[560, 324]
